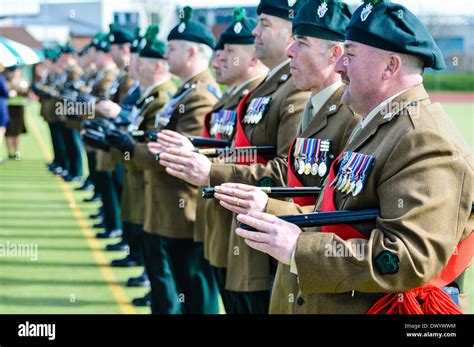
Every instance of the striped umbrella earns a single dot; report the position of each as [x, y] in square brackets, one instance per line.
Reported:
[14, 53]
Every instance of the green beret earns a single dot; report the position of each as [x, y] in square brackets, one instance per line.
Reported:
[84, 50]
[189, 30]
[150, 46]
[118, 35]
[95, 42]
[240, 31]
[392, 27]
[134, 48]
[285, 9]
[51, 53]
[104, 44]
[324, 19]
[68, 49]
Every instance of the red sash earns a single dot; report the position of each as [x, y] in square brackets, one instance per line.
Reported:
[434, 300]
[240, 139]
[293, 181]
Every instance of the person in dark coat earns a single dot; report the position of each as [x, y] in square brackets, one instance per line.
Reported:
[4, 116]
[18, 92]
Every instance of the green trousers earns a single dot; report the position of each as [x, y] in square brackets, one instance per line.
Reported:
[110, 200]
[181, 279]
[73, 143]
[59, 148]
[250, 302]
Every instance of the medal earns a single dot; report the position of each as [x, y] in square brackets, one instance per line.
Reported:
[302, 163]
[314, 168]
[322, 169]
[309, 155]
[296, 154]
[336, 181]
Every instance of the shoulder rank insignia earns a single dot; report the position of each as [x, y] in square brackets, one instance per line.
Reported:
[353, 172]
[214, 91]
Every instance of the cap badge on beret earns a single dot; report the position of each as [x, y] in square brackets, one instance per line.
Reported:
[112, 38]
[322, 9]
[103, 44]
[143, 43]
[238, 27]
[292, 2]
[365, 12]
[181, 27]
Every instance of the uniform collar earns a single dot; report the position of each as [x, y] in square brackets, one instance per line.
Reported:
[273, 71]
[399, 102]
[150, 89]
[320, 98]
[238, 88]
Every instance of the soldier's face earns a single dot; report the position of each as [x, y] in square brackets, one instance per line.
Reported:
[272, 36]
[235, 62]
[133, 68]
[216, 64]
[361, 70]
[146, 70]
[177, 56]
[311, 62]
[121, 54]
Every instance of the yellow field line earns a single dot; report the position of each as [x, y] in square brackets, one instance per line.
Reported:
[109, 276]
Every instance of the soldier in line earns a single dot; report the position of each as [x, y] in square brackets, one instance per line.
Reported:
[181, 280]
[270, 116]
[86, 62]
[158, 87]
[70, 126]
[105, 183]
[412, 258]
[241, 71]
[326, 124]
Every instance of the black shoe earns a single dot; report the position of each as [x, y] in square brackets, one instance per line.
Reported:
[121, 246]
[142, 302]
[109, 234]
[98, 215]
[51, 166]
[140, 281]
[94, 198]
[71, 178]
[85, 187]
[64, 173]
[58, 170]
[100, 225]
[125, 262]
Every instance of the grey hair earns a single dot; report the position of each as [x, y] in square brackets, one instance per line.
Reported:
[204, 51]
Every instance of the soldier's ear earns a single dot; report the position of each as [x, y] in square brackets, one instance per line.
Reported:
[393, 66]
[336, 52]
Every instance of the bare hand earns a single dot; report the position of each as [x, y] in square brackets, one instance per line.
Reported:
[108, 108]
[189, 166]
[274, 237]
[155, 148]
[241, 198]
[172, 139]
